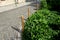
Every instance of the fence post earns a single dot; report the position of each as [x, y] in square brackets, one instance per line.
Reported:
[28, 12]
[22, 20]
[37, 6]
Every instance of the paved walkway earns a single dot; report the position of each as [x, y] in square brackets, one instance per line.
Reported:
[11, 18]
[13, 6]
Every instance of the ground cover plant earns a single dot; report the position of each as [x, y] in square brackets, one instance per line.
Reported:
[42, 25]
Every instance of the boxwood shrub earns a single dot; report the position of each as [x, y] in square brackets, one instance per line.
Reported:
[42, 25]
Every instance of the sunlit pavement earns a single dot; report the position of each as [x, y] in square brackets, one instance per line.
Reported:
[12, 18]
[13, 6]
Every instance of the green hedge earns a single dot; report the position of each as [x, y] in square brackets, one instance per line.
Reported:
[55, 4]
[51, 4]
[43, 25]
[43, 4]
